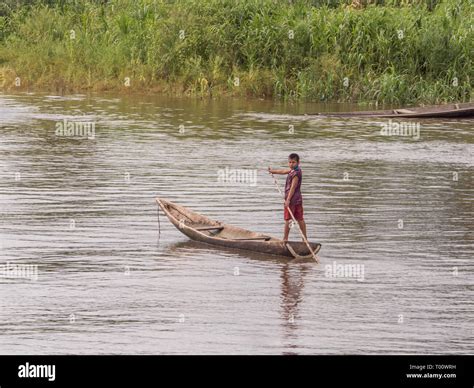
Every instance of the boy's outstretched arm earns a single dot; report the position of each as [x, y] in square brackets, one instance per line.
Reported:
[281, 172]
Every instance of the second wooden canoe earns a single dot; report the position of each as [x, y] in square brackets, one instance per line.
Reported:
[464, 110]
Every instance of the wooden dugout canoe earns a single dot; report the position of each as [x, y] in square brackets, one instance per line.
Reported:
[465, 110]
[200, 228]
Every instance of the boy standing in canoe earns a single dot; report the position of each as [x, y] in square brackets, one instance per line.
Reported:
[293, 197]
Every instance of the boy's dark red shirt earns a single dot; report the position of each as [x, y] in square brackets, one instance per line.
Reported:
[297, 198]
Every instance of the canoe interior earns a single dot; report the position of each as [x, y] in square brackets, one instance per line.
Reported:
[196, 221]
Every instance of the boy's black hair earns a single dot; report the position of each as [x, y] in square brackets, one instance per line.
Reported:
[294, 157]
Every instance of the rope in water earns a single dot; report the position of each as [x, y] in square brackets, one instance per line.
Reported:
[295, 255]
[159, 225]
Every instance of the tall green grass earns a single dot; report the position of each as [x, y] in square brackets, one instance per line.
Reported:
[392, 52]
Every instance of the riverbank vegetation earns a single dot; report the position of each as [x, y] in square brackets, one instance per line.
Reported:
[390, 52]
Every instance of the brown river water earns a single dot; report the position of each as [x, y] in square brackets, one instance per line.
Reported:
[84, 271]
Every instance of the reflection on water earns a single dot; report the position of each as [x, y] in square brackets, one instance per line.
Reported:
[83, 211]
[292, 283]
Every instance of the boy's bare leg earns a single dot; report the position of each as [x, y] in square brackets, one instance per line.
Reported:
[287, 231]
[302, 225]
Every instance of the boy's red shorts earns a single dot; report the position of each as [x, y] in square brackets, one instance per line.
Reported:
[297, 211]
